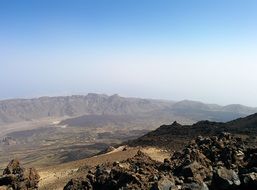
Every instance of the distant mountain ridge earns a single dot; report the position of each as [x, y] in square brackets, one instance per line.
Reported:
[16, 110]
[175, 135]
[197, 111]
[28, 109]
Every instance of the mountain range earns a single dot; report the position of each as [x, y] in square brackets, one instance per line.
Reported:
[16, 110]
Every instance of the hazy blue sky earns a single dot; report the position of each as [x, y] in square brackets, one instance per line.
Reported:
[174, 49]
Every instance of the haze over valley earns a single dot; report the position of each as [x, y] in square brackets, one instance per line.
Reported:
[128, 95]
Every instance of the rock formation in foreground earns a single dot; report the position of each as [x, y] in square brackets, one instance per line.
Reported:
[15, 177]
[221, 162]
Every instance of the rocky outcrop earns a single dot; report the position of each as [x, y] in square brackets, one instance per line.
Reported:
[18, 178]
[175, 135]
[221, 162]
[139, 172]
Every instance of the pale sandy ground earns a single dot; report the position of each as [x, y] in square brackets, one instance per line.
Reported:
[27, 125]
[56, 177]
[156, 154]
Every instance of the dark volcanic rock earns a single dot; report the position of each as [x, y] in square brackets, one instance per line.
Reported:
[164, 184]
[79, 183]
[224, 179]
[139, 172]
[13, 168]
[195, 186]
[175, 136]
[221, 162]
[249, 181]
[18, 178]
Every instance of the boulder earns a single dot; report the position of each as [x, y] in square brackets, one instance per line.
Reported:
[194, 186]
[225, 179]
[164, 184]
[249, 181]
[13, 168]
[196, 171]
[79, 183]
[17, 177]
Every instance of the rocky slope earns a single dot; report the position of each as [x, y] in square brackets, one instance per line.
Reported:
[174, 136]
[206, 157]
[221, 162]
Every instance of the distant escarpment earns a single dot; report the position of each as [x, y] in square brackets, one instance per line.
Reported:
[92, 104]
[16, 110]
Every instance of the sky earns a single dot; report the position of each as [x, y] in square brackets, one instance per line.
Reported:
[204, 50]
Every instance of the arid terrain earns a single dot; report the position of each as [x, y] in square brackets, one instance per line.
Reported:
[64, 140]
[52, 130]
[212, 156]
[56, 177]
[179, 164]
[128, 95]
